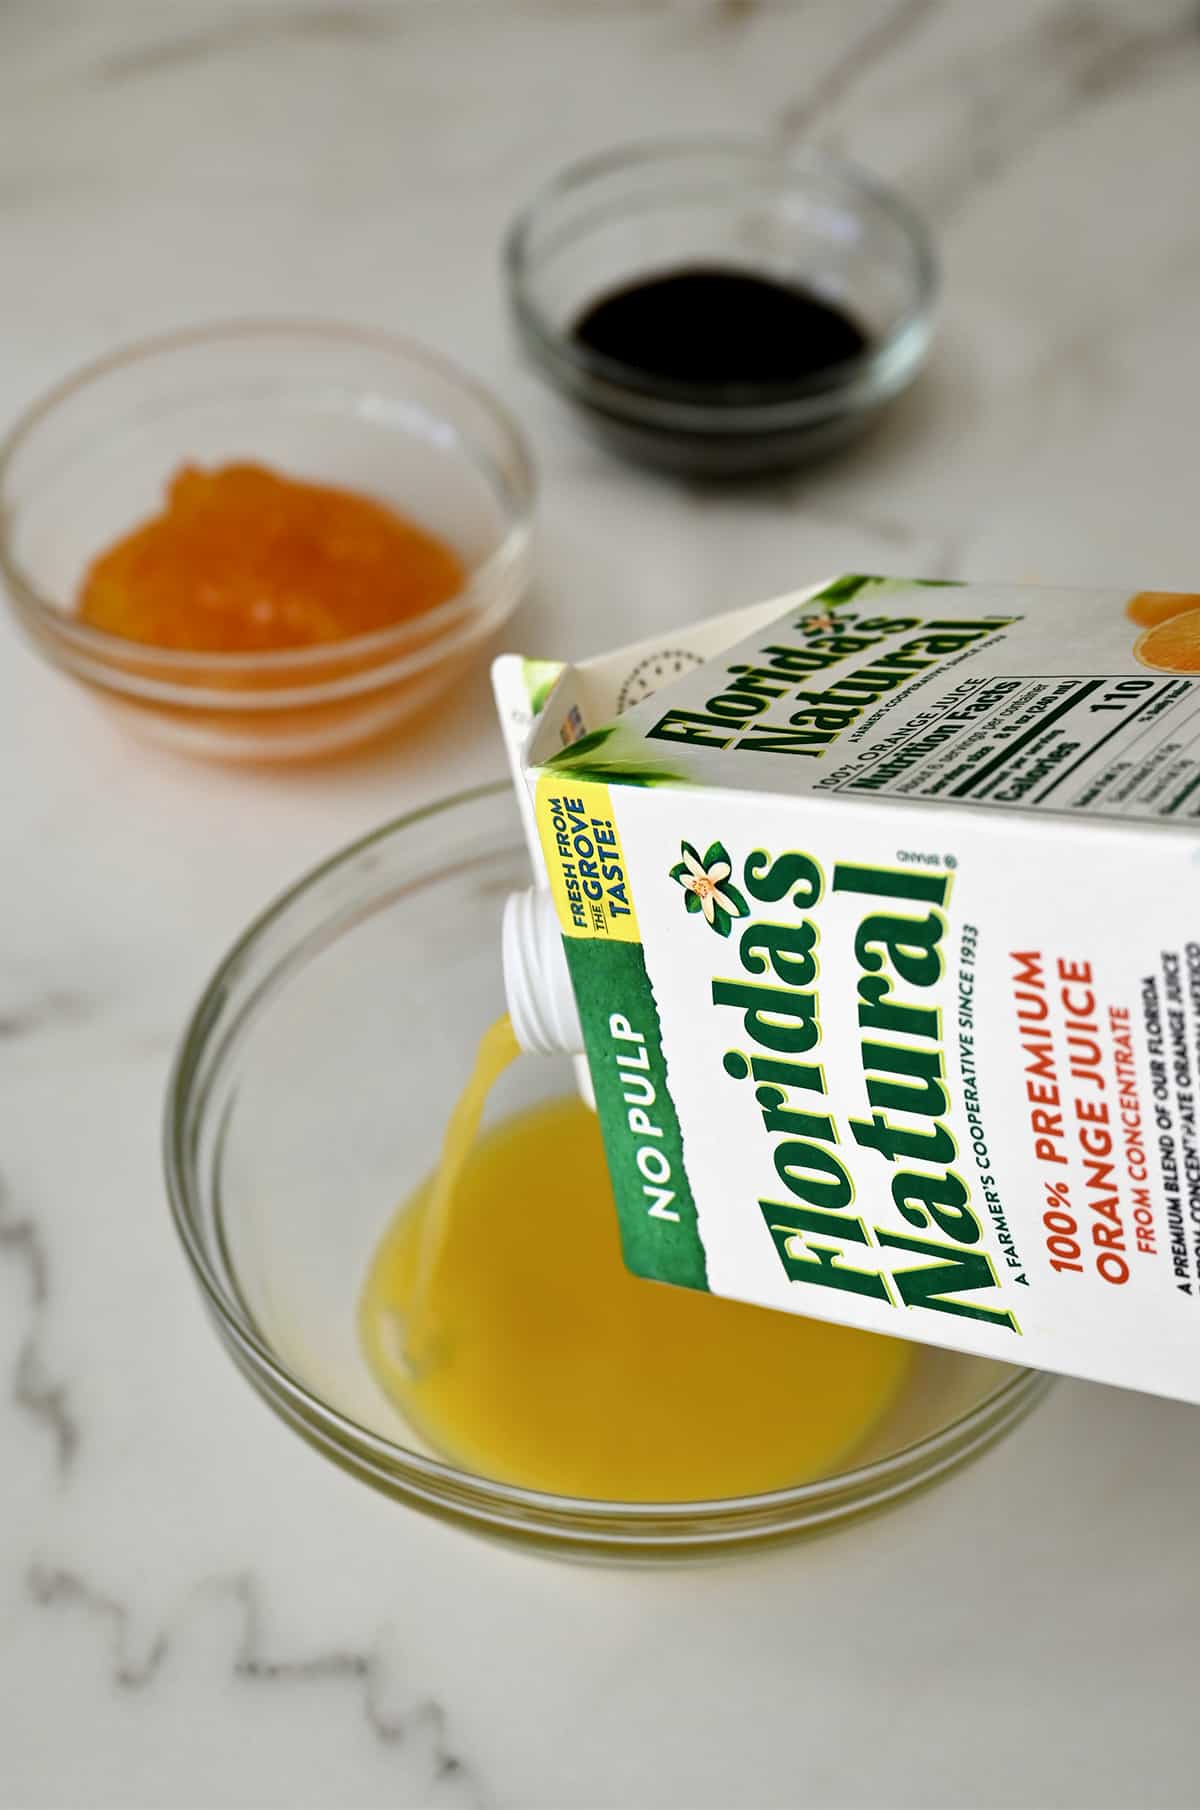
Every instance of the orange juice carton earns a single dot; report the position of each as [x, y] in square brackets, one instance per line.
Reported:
[874, 911]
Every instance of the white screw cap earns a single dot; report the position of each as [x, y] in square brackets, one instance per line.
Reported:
[537, 983]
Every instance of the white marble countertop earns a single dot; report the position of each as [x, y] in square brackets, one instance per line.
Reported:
[195, 1610]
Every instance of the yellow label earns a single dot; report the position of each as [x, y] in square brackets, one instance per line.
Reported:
[589, 877]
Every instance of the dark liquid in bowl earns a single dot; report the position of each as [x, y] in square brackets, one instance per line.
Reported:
[720, 329]
[724, 338]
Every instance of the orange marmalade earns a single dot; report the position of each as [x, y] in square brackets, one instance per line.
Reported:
[243, 560]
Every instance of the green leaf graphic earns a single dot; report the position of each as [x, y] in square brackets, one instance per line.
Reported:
[584, 760]
[736, 898]
[619, 773]
[587, 744]
[841, 590]
[540, 677]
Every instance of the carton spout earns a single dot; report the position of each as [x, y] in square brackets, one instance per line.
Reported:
[537, 984]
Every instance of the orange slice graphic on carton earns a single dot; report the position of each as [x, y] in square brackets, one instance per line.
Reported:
[1171, 620]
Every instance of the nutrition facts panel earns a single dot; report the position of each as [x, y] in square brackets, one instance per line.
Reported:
[1111, 747]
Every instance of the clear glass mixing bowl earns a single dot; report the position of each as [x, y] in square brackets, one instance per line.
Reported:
[309, 1097]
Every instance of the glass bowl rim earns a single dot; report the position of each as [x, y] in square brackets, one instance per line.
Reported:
[856, 382]
[399, 1465]
[109, 651]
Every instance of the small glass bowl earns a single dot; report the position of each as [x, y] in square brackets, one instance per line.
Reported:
[308, 1099]
[798, 216]
[331, 404]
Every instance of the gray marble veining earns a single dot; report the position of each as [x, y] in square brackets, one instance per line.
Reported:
[32, 1391]
[422, 1724]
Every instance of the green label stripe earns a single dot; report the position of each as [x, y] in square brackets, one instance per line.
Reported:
[646, 1165]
